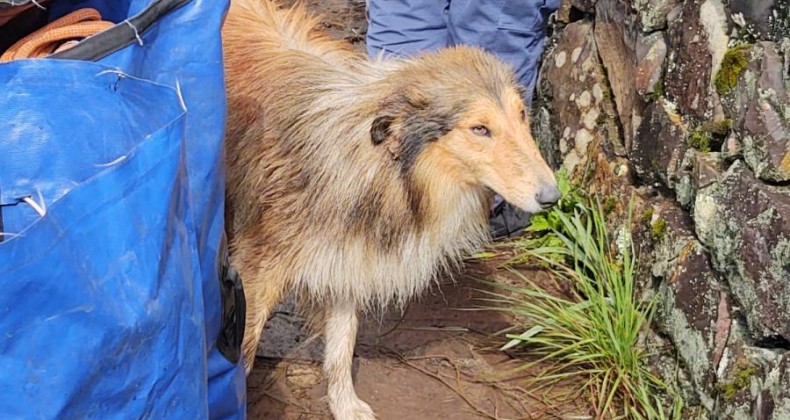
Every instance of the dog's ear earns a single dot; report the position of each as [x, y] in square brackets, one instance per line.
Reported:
[412, 120]
[380, 130]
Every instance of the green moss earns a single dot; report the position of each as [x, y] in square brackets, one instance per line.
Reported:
[703, 136]
[741, 380]
[735, 62]
[719, 128]
[659, 90]
[647, 216]
[659, 229]
[700, 140]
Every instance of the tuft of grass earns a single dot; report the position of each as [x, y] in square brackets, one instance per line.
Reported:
[734, 63]
[592, 334]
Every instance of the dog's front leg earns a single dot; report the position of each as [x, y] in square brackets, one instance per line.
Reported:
[340, 336]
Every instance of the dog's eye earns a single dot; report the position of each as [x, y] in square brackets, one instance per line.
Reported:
[481, 130]
[523, 115]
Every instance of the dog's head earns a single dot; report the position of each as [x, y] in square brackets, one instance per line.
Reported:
[460, 112]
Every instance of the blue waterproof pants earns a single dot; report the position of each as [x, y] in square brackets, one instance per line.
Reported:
[514, 30]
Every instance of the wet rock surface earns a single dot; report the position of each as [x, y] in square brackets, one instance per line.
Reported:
[768, 19]
[576, 97]
[616, 30]
[696, 123]
[659, 146]
[689, 296]
[746, 224]
[759, 106]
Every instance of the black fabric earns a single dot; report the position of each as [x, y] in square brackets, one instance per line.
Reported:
[120, 35]
[21, 26]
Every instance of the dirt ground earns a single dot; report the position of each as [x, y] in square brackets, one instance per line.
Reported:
[437, 360]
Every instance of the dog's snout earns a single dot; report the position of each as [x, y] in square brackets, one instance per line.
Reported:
[548, 196]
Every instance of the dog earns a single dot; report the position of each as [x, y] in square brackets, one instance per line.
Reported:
[355, 183]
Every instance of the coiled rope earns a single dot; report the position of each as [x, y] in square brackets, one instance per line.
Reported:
[58, 35]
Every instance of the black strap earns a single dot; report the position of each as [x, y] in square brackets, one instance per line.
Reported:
[121, 35]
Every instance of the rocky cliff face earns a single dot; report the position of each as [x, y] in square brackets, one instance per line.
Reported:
[686, 104]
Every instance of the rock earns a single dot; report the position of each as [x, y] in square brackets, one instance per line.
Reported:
[762, 19]
[688, 79]
[746, 226]
[759, 106]
[616, 36]
[733, 148]
[541, 127]
[573, 95]
[286, 336]
[774, 401]
[706, 169]
[690, 298]
[651, 51]
[586, 6]
[659, 145]
[755, 384]
[666, 366]
[653, 13]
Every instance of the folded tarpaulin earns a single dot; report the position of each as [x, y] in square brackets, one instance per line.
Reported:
[116, 298]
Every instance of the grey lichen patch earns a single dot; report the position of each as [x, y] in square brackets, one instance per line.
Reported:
[575, 54]
[687, 298]
[597, 92]
[684, 191]
[780, 262]
[590, 118]
[581, 141]
[560, 58]
[584, 100]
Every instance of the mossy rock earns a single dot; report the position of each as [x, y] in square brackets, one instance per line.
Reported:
[658, 229]
[734, 63]
[709, 133]
[700, 139]
[740, 381]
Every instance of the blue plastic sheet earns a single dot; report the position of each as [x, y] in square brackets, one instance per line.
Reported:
[112, 303]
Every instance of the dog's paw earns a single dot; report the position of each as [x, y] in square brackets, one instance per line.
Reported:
[353, 409]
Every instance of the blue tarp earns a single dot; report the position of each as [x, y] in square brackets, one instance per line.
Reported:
[114, 299]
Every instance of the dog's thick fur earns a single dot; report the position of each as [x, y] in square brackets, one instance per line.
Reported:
[355, 182]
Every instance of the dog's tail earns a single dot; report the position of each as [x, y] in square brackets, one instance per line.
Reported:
[274, 28]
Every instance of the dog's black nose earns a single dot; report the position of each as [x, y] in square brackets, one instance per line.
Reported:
[548, 196]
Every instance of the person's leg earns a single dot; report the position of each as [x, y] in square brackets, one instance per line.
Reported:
[406, 27]
[515, 31]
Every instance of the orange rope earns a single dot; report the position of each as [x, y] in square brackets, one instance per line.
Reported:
[56, 35]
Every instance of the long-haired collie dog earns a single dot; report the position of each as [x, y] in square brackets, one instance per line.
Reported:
[355, 182]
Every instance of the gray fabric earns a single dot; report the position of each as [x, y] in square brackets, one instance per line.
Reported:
[514, 30]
